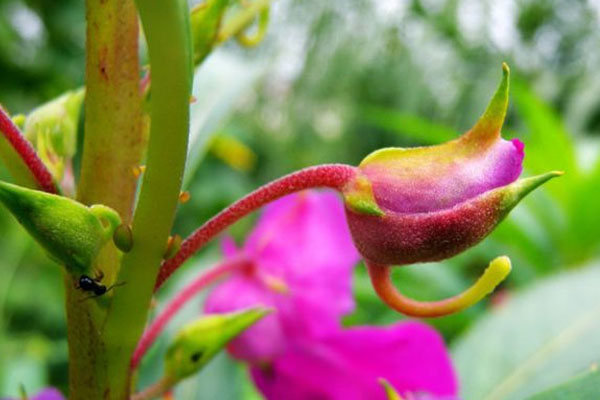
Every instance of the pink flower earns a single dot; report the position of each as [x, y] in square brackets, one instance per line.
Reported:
[301, 258]
[347, 364]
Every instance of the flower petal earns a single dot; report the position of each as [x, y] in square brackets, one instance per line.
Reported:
[432, 178]
[48, 394]
[348, 364]
[303, 239]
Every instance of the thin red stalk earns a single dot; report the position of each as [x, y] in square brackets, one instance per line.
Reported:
[27, 153]
[328, 175]
[206, 278]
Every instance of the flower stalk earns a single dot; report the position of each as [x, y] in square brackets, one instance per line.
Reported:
[334, 176]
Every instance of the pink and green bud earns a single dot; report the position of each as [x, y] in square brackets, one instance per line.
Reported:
[430, 203]
[52, 129]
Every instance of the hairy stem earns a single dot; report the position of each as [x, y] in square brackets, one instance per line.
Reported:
[21, 159]
[166, 27]
[328, 175]
[207, 278]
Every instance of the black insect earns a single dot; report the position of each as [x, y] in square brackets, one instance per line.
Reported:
[94, 285]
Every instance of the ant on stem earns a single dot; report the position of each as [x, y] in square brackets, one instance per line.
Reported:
[88, 284]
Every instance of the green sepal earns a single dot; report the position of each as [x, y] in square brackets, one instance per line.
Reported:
[205, 22]
[52, 129]
[390, 392]
[199, 341]
[516, 191]
[358, 196]
[70, 232]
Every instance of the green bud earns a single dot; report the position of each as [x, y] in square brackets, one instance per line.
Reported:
[52, 129]
[70, 232]
[199, 341]
[205, 22]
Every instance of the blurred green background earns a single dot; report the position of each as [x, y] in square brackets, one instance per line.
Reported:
[331, 82]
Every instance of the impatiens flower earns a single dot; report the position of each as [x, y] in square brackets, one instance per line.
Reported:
[437, 201]
[430, 203]
[301, 257]
[301, 260]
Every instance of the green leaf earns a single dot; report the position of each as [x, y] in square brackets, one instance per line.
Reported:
[541, 336]
[583, 387]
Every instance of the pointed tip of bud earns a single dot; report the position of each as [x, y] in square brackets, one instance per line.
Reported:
[491, 121]
[523, 187]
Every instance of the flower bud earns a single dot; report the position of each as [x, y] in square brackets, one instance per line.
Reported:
[70, 232]
[52, 129]
[199, 341]
[430, 203]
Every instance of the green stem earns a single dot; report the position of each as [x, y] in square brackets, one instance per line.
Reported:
[112, 146]
[166, 27]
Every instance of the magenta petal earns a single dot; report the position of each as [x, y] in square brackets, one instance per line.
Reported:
[347, 365]
[48, 394]
[304, 240]
[241, 292]
[439, 177]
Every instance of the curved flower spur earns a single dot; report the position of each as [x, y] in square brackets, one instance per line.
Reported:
[430, 203]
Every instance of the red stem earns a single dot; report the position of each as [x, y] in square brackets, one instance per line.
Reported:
[206, 278]
[24, 149]
[328, 175]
